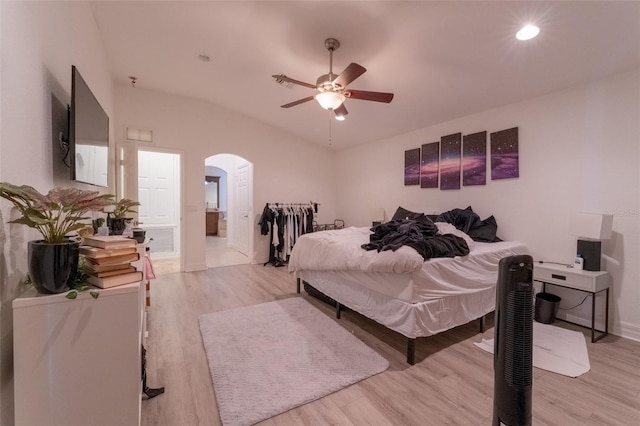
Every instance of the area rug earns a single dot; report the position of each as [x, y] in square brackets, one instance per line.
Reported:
[554, 349]
[269, 358]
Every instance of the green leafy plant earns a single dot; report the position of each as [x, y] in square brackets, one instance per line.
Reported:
[80, 284]
[124, 206]
[59, 212]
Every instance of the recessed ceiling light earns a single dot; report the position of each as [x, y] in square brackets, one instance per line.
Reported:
[204, 58]
[527, 32]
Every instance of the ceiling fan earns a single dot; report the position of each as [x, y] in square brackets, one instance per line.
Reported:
[332, 89]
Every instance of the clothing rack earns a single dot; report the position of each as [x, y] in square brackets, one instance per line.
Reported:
[284, 223]
[312, 204]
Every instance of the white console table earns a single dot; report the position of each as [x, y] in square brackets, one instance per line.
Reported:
[77, 362]
[592, 282]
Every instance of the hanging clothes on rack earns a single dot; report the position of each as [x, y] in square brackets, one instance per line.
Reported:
[284, 223]
[269, 226]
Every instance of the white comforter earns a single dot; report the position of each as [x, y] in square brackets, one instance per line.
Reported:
[341, 250]
[399, 289]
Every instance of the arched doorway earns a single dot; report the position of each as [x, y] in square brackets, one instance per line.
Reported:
[228, 197]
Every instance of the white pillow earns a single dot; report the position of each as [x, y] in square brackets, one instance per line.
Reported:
[447, 228]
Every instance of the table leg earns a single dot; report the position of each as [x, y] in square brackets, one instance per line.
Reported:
[593, 317]
[606, 317]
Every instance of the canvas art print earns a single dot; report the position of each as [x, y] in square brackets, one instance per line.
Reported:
[429, 163]
[412, 167]
[504, 154]
[474, 159]
[450, 161]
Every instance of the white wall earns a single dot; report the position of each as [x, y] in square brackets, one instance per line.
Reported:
[285, 168]
[40, 42]
[579, 151]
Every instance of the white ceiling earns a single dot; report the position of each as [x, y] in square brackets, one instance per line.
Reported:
[443, 60]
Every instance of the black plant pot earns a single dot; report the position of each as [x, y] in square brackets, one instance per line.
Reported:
[118, 225]
[53, 267]
[97, 223]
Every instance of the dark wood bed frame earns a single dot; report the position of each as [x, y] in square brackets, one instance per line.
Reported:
[411, 341]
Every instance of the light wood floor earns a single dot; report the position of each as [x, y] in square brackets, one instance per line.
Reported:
[217, 254]
[451, 383]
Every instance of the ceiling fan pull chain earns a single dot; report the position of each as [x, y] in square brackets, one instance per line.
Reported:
[330, 141]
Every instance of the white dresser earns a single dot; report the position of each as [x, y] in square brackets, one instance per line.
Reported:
[77, 362]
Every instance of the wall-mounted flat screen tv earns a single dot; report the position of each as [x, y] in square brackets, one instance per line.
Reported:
[88, 134]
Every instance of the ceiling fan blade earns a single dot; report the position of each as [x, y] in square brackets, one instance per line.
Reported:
[341, 111]
[349, 74]
[298, 102]
[281, 77]
[369, 96]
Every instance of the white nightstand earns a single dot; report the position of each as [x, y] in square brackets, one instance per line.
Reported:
[586, 281]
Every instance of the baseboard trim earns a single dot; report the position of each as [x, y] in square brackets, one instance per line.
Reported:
[259, 260]
[626, 330]
[195, 267]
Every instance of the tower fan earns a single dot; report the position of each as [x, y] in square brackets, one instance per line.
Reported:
[512, 359]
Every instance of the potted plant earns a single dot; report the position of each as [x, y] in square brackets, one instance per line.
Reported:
[120, 209]
[53, 261]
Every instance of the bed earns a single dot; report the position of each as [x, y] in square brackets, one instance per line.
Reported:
[400, 289]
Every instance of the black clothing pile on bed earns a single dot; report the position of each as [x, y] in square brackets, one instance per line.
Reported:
[469, 222]
[421, 234]
[466, 220]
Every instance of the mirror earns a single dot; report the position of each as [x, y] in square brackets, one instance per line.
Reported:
[212, 193]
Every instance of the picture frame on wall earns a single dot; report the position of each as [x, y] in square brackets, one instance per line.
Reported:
[429, 165]
[450, 161]
[474, 159]
[412, 167]
[505, 159]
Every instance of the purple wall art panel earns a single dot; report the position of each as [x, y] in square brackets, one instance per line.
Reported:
[450, 161]
[474, 159]
[412, 167]
[429, 165]
[504, 154]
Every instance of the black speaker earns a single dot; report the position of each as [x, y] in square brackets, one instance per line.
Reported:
[513, 347]
[590, 251]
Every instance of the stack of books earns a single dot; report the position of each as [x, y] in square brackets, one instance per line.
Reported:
[107, 260]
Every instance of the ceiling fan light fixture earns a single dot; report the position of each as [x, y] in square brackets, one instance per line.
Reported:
[330, 100]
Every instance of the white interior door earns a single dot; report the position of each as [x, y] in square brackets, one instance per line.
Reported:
[159, 195]
[243, 194]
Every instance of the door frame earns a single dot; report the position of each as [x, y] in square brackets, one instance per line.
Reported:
[128, 187]
[240, 245]
[232, 194]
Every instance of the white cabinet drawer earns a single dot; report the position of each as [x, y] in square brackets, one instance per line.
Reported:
[580, 280]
